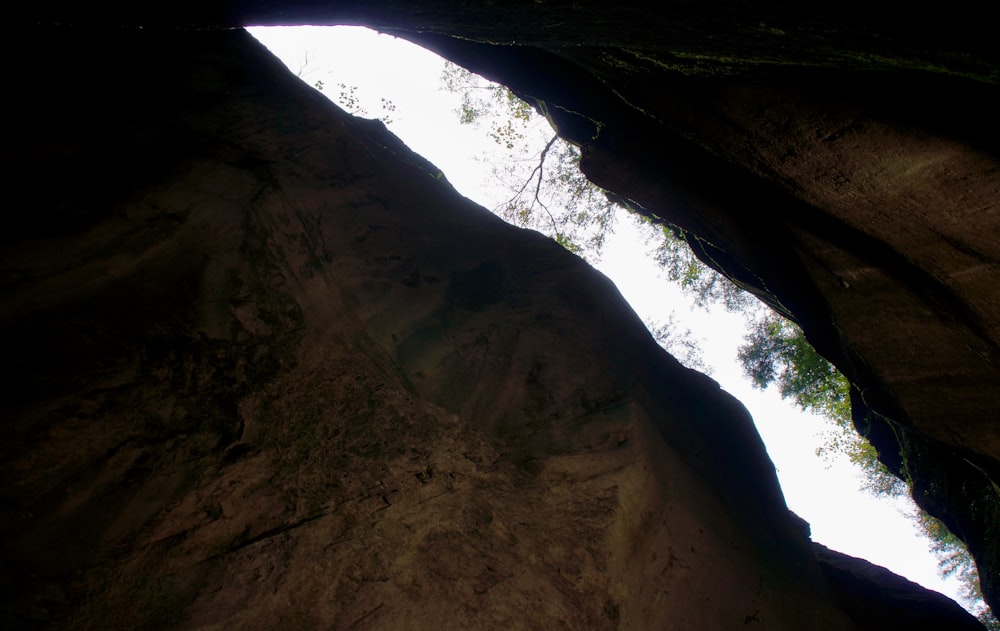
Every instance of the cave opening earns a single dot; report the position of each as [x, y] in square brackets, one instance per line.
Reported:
[268, 369]
[377, 76]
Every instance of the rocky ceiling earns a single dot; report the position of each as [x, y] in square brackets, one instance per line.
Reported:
[841, 163]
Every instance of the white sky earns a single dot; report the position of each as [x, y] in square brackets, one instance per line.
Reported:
[824, 493]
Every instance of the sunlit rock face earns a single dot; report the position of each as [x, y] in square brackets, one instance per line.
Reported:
[266, 369]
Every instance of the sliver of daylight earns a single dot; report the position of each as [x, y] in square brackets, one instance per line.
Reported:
[379, 76]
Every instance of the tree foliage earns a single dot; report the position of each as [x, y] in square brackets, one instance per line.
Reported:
[348, 97]
[954, 560]
[508, 116]
[776, 351]
[704, 284]
[547, 192]
[680, 341]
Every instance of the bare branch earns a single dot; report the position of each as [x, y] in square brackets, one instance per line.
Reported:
[539, 172]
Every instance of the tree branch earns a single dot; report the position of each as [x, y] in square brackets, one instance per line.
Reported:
[538, 171]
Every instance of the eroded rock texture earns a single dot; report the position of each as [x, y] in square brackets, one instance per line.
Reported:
[852, 202]
[838, 160]
[266, 370]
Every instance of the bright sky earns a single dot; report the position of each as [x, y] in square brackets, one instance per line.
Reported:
[824, 493]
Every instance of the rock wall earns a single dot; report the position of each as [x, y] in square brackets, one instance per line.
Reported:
[806, 154]
[266, 369]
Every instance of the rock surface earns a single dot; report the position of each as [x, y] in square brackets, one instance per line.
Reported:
[878, 599]
[808, 154]
[848, 200]
[267, 370]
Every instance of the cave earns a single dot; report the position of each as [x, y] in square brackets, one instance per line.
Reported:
[265, 369]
